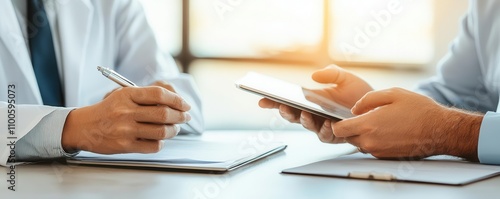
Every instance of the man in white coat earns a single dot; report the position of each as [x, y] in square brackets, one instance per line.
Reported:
[53, 101]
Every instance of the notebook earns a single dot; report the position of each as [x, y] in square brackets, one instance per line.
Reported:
[437, 170]
[186, 155]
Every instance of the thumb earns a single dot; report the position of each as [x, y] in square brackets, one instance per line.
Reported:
[331, 74]
[373, 100]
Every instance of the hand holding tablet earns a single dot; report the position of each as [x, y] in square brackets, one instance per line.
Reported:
[309, 100]
[317, 110]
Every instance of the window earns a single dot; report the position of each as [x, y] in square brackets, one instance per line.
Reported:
[255, 28]
[382, 31]
[354, 31]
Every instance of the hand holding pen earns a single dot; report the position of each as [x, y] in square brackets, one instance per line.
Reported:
[130, 120]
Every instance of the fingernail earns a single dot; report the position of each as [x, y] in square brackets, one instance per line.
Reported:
[187, 116]
[353, 110]
[328, 124]
[303, 117]
[177, 129]
[186, 105]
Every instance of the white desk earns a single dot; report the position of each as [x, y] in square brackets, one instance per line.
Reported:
[259, 180]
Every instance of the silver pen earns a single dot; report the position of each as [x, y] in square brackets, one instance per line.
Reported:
[114, 76]
[119, 79]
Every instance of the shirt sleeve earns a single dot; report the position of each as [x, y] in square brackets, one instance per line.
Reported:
[459, 81]
[44, 140]
[488, 147]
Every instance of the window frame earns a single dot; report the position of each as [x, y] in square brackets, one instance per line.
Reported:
[321, 56]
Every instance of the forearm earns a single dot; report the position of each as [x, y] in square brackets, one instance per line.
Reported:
[461, 133]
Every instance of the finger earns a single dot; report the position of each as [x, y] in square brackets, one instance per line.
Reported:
[289, 113]
[361, 143]
[326, 133]
[160, 115]
[373, 100]
[165, 85]
[267, 103]
[352, 127]
[327, 130]
[145, 146]
[156, 132]
[337, 140]
[311, 123]
[331, 74]
[155, 95]
[354, 140]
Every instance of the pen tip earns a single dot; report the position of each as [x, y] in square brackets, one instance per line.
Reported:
[99, 68]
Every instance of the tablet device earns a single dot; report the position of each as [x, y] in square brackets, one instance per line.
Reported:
[293, 95]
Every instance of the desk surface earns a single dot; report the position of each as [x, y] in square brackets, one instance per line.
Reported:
[258, 180]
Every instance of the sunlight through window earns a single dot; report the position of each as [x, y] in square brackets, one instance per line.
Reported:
[255, 28]
[367, 31]
[382, 31]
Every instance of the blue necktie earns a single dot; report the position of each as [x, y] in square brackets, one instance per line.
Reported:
[43, 55]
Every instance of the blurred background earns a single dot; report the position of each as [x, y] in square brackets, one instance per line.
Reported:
[390, 43]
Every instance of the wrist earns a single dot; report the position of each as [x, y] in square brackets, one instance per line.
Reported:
[462, 134]
[70, 132]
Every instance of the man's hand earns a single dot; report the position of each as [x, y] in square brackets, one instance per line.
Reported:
[162, 84]
[396, 123]
[129, 120]
[346, 90]
[165, 85]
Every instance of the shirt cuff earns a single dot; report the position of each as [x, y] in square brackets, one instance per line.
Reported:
[488, 147]
[44, 140]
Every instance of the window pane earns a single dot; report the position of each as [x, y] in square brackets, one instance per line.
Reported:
[165, 17]
[382, 31]
[255, 28]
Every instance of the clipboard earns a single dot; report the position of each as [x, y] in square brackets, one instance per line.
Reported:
[185, 155]
[443, 170]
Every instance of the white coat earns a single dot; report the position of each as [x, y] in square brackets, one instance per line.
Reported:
[113, 34]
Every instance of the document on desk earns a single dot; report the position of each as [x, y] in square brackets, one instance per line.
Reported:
[436, 170]
[186, 155]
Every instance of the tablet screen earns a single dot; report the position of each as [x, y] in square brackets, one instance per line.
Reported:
[309, 100]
